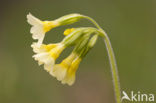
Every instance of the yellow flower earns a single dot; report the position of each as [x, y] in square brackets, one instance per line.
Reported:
[68, 31]
[70, 76]
[47, 54]
[65, 71]
[39, 28]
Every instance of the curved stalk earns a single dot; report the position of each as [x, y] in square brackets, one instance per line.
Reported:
[112, 60]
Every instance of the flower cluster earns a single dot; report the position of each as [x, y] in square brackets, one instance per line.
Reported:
[82, 39]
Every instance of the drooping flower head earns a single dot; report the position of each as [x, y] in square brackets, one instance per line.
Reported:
[47, 54]
[79, 38]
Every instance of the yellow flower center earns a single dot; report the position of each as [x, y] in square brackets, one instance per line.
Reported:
[68, 31]
[55, 52]
[75, 64]
[50, 46]
[67, 62]
[48, 25]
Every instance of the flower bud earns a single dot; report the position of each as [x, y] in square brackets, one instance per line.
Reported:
[92, 41]
[68, 31]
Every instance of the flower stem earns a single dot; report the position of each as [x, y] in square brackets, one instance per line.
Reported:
[114, 69]
[112, 60]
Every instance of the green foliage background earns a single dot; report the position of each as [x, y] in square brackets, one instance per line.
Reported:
[130, 25]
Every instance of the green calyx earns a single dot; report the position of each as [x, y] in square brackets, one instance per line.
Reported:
[89, 45]
[69, 19]
[85, 44]
[81, 44]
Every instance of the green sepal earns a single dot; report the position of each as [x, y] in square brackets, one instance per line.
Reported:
[71, 39]
[69, 19]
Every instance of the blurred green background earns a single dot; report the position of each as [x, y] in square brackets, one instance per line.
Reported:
[130, 25]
